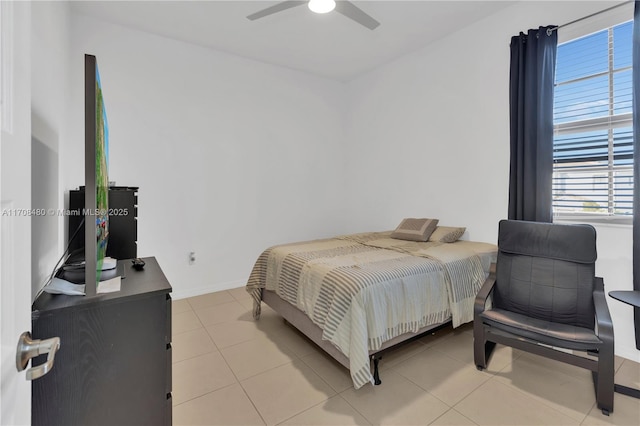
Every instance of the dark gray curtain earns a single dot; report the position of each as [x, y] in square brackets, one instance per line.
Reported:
[533, 66]
[636, 163]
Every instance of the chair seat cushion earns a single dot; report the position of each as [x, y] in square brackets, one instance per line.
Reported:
[546, 332]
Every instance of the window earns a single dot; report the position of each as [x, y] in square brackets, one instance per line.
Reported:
[593, 133]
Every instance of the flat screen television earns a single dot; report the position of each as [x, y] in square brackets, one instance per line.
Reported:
[96, 166]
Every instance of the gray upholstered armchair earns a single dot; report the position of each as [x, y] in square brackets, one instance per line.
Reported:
[545, 294]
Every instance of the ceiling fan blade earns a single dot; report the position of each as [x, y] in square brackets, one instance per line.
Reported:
[278, 7]
[352, 11]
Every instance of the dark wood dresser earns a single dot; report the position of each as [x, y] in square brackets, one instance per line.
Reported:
[114, 362]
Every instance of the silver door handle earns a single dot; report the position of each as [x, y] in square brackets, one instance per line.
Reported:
[28, 348]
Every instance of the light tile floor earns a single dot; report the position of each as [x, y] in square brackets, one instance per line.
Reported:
[231, 370]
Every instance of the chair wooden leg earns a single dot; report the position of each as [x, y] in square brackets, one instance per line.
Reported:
[481, 348]
[604, 380]
[478, 345]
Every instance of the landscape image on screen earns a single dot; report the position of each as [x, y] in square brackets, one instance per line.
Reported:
[102, 179]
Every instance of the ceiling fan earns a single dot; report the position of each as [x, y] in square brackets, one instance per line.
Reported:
[345, 8]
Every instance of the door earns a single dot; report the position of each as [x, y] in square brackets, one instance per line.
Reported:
[15, 199]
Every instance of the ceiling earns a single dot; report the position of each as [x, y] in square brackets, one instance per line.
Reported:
[329, 45]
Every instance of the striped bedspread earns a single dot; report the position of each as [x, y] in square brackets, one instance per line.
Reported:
[365, 289]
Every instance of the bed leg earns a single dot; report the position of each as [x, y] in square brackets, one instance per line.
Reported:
[376, 374]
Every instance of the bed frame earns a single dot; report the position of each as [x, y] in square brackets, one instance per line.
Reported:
[301, 321]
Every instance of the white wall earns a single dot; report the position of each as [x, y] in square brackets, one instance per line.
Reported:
[231, 155]
[49, 87]
[615, 265]
[428, 135]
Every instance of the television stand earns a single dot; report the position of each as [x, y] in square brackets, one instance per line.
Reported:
[114, 362]
[75, 273]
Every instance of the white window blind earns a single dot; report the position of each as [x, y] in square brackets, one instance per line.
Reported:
[593, 134]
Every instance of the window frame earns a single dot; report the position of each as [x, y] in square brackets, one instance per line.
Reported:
[610, 122]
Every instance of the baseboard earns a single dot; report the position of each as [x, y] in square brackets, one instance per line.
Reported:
[628, 352]
[183, 294]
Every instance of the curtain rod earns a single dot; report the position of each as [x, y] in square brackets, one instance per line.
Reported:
[588, 16]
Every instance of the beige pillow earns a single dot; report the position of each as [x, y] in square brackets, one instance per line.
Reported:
[447, 234]
[415, 229]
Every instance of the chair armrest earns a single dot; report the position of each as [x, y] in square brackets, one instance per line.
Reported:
[485, 291]
[603, 316]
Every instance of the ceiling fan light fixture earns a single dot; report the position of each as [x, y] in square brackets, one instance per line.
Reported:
[322, 6]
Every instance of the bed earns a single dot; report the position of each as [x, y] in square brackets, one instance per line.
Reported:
[358, 295]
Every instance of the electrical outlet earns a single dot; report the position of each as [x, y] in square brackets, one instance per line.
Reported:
[192, 257]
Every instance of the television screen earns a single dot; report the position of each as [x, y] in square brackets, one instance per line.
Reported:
[96, 176]
[102, 177]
